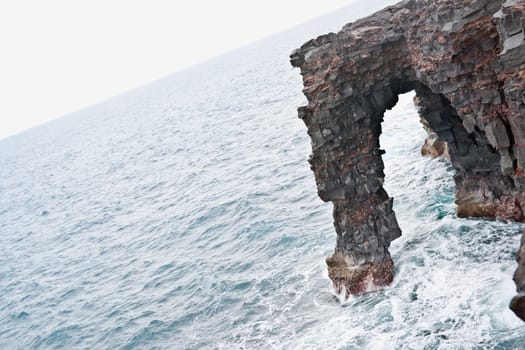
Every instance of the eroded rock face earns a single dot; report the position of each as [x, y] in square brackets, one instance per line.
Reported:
[466, 62]
[433, 146]
[518, 302]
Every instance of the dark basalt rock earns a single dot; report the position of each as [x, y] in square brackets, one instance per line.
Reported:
[466, 62]
[518, 302]
[433, 147]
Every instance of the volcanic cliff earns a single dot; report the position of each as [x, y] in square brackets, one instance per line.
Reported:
[466, 62]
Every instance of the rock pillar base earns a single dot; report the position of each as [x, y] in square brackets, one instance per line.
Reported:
[487, 195]
[355, 280]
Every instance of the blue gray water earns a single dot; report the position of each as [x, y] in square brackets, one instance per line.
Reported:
[184, 215]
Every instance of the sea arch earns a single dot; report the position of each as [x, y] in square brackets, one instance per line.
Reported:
[456, 58]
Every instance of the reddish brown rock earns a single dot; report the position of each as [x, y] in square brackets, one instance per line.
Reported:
[356, 279]
[434, 147]
[466, 62]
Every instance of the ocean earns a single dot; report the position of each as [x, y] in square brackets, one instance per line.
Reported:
[184, 215]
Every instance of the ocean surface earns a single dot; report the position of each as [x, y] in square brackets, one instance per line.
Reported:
[184, 215]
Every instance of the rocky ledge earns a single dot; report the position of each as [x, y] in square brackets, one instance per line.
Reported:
[466, 62]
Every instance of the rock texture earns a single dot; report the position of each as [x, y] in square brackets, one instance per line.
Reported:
[433, 147]
[466, 62]
[518, 302]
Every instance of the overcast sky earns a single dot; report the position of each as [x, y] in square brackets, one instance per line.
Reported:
[58, 56]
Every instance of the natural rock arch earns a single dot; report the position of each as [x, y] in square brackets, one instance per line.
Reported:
[466, 62]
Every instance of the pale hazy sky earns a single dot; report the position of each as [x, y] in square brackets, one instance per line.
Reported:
[58, 56]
